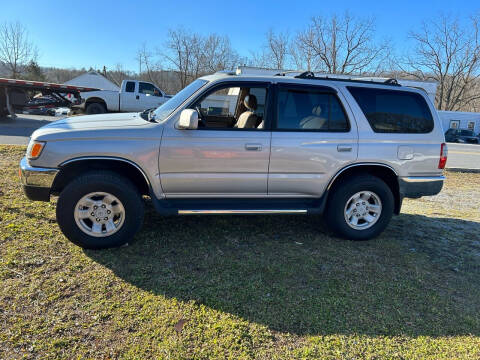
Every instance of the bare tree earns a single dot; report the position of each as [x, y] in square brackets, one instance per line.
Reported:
[277, 49]
[341, 45]
[449, 54]
[191, 55]
[303, 55]
[182, 53]
[148, 67]
[118, 74]
[217, 54]
[61, 75]
[16, 51]
[274, 53]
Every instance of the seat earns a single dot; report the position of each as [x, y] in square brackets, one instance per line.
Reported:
[248, 119]
[314, 121]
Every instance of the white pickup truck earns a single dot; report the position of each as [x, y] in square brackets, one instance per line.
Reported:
[133, 96]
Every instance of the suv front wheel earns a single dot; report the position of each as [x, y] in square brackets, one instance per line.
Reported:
[100, 210]
[360, 208]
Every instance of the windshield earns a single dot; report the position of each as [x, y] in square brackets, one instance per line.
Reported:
[164, 110]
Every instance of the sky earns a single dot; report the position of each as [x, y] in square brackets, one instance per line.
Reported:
[75, 34]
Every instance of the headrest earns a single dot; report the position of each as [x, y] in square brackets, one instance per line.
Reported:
[250, 102]
[317, 110]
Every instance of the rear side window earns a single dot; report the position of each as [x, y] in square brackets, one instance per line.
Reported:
[130, 86]
[309, 110]
[390, 111]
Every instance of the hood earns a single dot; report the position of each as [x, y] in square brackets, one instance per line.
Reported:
[90, 123]
[98, 121]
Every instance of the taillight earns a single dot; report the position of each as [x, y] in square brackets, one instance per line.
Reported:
[443, 156]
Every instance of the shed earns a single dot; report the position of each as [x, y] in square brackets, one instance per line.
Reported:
[94, 80]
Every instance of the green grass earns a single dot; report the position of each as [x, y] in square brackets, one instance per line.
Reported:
[247, 287]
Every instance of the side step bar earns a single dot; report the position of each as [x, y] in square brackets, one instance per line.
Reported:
[238, 212]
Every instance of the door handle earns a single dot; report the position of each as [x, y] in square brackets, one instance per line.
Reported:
[344, 148]
[137, 97]
[253, 147]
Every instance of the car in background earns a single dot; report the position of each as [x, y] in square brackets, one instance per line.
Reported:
[461, 136]
[44, 105]
[134, 95]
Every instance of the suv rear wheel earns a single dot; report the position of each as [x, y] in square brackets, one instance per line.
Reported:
[100, 210]
[360, 208]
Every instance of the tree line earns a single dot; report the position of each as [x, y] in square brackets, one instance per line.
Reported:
[442, 49]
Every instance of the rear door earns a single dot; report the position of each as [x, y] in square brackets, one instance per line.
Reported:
[313, 136]
[399, 127]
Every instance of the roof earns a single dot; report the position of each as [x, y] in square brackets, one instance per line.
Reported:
[261, 74]
[93, 79]
[331, 82]
[458, 115]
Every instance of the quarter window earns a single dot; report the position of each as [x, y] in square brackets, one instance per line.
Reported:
[309, 110]
[390, 111]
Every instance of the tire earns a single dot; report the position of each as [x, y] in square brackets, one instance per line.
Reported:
[374, 192]
[95, 108]
[125, 216]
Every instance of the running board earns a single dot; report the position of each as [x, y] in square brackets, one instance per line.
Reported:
[238, 212]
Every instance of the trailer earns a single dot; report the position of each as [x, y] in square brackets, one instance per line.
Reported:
[15, 94]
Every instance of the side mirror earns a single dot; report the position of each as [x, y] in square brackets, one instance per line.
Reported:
[188, 120]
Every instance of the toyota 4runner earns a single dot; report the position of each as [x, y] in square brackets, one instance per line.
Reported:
[242, 144]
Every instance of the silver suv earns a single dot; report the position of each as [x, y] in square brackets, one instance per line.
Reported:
[238, 144]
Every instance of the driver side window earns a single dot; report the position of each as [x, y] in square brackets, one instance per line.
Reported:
[148, 89]
[232, 108]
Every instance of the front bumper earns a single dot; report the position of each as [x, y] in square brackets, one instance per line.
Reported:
[417, 186]
[36, 182]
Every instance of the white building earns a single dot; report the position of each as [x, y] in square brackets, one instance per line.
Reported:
[460, 120]
[94, 80]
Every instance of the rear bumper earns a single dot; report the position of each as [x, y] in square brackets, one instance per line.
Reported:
[36, 182]
[417, 186]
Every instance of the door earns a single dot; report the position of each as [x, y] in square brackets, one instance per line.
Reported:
[312, 138]
[224, 157]
[149, 96]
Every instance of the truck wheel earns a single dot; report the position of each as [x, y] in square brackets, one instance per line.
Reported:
[360, 208]
[100, 210]
[95, 108]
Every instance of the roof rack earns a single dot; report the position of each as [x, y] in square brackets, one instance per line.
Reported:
[226, 72]
[311, 75]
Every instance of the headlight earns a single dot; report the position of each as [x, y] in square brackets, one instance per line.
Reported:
[35, 149]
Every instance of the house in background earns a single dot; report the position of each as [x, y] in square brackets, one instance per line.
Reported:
[460, 120]
[94, 80]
